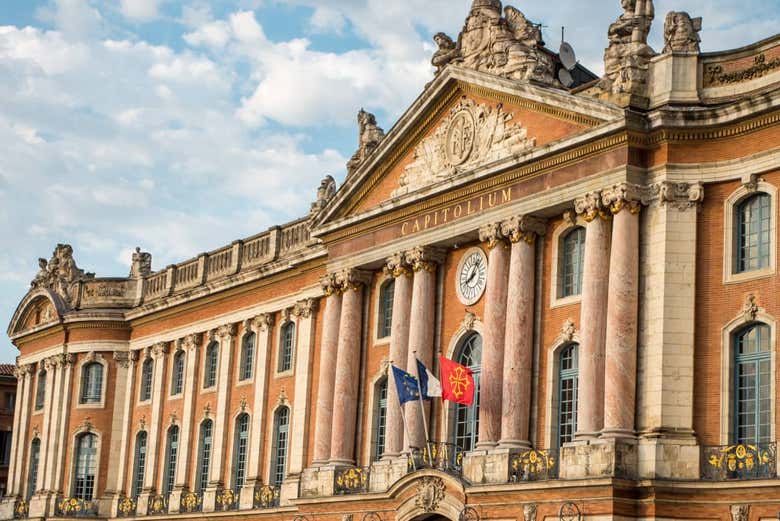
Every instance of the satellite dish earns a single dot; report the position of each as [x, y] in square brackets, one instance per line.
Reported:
[565, 77]
[568, 58]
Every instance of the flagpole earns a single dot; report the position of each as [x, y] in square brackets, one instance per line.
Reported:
[422, 408]
[403, 415]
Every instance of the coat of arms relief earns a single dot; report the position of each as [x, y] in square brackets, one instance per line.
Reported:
[470, 135]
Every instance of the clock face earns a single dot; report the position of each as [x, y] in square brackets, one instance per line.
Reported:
[472, 276]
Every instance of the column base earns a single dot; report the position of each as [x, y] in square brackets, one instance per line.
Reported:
[486, 445]
[486, 467]
[609, 457]
[318, 481]
[669, 455]
[341, 463]
[617, 433]
[210, 498]
[8, 507]
[246, 500]
[387, 471]
[289, 490]
[514, 444]
[41, 505]
[174, 500]
[142, 505]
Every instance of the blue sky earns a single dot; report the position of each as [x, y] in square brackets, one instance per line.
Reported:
[179, 126]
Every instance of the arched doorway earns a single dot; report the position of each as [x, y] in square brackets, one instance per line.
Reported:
[432, 517]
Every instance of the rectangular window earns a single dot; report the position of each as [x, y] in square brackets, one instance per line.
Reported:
[40, 392]
[5, 448]
[170, 463]
[204, 458]
[381, 420]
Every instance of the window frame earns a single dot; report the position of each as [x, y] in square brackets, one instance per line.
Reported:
[274, 468]
[211, 366]
[379, 418]
[139, 464]
[74, 485]
[41, 380]
[171, 458]
[730, 207]
[32, 477]
[556, 242]
[178, 374]
[571, 374]
[200, 486]
[240, 434]
[563, 259]
[247, 358]
[281, 346]
[458, 409]
[383, 324]
[83, 367]
[146, 383]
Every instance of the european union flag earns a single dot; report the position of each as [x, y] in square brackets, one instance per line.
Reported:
[406, 385]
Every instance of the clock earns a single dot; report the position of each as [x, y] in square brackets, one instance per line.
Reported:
[471, 277]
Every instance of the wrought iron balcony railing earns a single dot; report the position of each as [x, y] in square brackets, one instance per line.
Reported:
[21, 509]
[227, 499]
[739, 462]
[446, 457]
[265, 496]
[126, 506]
[533, 465]
[351, 480]
[190, 502]
[158, 505]
[76, 507]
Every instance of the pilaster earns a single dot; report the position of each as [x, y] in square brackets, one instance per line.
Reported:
[13, 480]
[191, 346]
[67, 391]
[157, 352]
[16, 479]
[122, 414]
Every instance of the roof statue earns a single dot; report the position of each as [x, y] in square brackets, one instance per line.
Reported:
[59, 272]
[325, 193]
[681, 33]
[508, 46]
[142, 264]
[627, 59]
[370, 135]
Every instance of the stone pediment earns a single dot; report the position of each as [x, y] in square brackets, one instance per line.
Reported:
[471, 134]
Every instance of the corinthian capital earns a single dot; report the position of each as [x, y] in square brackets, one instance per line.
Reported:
[425, 258]
[397, 266]
[122, 359]
[306, 308]
[159, 349]
[624, 196]
[264, 321]
[491, 235]
[352, 279]
[329, 284]
[523, 228]
[227, 331]
[682, 196]
[191, 342]
[590, 206]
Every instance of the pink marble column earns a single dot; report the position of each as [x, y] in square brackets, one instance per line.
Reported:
[593, 317]
[622, 309]
[491, 385]
[518, 351]
[421, 329]
[328, 349]
[399, 350]
[345, 391]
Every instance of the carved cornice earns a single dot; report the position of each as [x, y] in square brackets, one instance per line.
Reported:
[491, 235]
[264, 321]
[306, 308]
[352, 279]
[397, 266]
[590, 207]
[523, 228]
[625, 196]
[425, 258]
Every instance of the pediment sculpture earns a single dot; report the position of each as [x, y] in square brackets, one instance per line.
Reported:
[370, 135]
[60, 272]
[470, 135]
[681, 33]
[508, 45]
[627, 59]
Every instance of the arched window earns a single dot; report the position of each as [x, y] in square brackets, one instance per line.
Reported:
[177, 374]
[140, 463]
[204, 455]
[210, 371]
[753, 385]
[146, 380]
[572, 255]
[567, 393]
[171, 452]
[279, 454]
[91, 383]
[240, 448]
[40, 390]
[753, 222]
[385, 318]
[247, 356]
[286, 343]
[380, 418]
[467, 417]
[86, 467]
[32, 473]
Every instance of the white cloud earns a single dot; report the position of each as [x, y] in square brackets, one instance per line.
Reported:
[140, 10]
[76, 19]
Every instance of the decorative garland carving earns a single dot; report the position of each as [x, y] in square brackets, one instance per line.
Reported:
[430, 492]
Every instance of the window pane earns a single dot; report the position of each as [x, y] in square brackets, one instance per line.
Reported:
[286, 348]
[279, 461]
[572, 252]
[567, 394]
[247, 356]
[467, 417]
[240, 451]
[387, 294]
[140, 464]
[40, 393]
[32, 478]
[146, 380]
[204, 456]
[752, 385]
[752, 226]
[170, 460]
[86, 466]
[210, 376]
[177, 385]
[381, 419]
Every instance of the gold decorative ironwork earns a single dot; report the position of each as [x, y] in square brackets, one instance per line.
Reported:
[534, 465]
[227, 499]
[266, 496]
[352, 480]
[21, 509]
[190, 502]
[127, 507]
[158, 505]
[76, 507]
[446, 457]
[739, 461]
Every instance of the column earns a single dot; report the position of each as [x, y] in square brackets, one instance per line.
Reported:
[157, 352]
[225, 334]
[519, 337]
[65, 405]
[263, 327]
[424, 262]
[590, 391]
[52, 376]
[126, 362]
[491, 387]
[622, 306]
[119, 439]
[323, 425]
[13, 480]
[191, 346]
[346, 387]
[16, 480]
[398, 268]
[305, 311]
[57, 363]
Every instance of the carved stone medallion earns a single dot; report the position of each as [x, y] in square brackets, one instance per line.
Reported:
[430, 492]
[460, 137]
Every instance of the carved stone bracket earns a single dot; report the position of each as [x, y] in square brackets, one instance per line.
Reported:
[568, 331]
[529, 512]
[469, 320]
[425, 258]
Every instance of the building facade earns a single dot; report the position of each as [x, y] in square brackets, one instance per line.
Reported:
[601, 252]
[7, 401]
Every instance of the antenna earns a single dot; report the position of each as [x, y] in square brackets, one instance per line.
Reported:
[568, 60]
